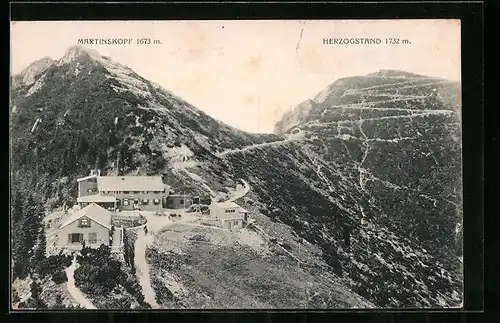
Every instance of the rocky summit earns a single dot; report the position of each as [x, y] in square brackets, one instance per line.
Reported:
[356, 198]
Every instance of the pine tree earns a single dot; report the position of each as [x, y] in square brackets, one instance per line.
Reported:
[16, 223]
[126, 251]
[39, 258]
[17, 207]
[70, 155]
[59, 302]
[101, 160]
[82, 147]
[31, 222]
[19, 246]
[36, 291]
[30, 229]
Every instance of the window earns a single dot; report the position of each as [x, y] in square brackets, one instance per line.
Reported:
[181, 202]
[75, 237]
[84, 223]
[145, 201]
[156, 201]
[126, 192]
[146, 192]
[125, 202]
[92, 237]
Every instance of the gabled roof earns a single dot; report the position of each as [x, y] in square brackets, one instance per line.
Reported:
[97, 198]
[130, 183]
[93, 212]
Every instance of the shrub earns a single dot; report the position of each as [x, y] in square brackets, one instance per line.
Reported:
[199, 237]
[58, 302]
[59, 277]
[117, 302]
[163, 294]
[98, 272]
[132, 286]
[15, 297]
[54, 264]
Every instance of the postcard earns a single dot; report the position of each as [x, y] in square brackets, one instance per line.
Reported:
[243, 164]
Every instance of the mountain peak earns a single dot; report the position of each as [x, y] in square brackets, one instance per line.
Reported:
[394, 73]
[28, 75]
[76, 51]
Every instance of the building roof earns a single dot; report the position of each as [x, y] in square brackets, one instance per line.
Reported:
[130, 183]
[229, 205]
[226, 205]
[93, 212]
[97, 198]
[86, 178]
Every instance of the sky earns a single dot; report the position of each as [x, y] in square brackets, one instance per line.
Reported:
[248, 73]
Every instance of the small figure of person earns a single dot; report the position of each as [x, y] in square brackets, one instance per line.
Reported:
[146, 230]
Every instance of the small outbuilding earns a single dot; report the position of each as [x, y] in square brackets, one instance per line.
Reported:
[232, 223]
[178, 201]
[230, 214]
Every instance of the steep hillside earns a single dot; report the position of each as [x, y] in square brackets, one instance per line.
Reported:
[397, 135]
[92, 111]
[381, 163]
[371, 173]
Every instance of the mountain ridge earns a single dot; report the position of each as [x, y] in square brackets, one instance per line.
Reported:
[342, 87]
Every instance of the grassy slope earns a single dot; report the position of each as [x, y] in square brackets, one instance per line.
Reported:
[239, 270]
[384, 266]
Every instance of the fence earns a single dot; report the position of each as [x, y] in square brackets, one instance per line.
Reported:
[129, 221]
